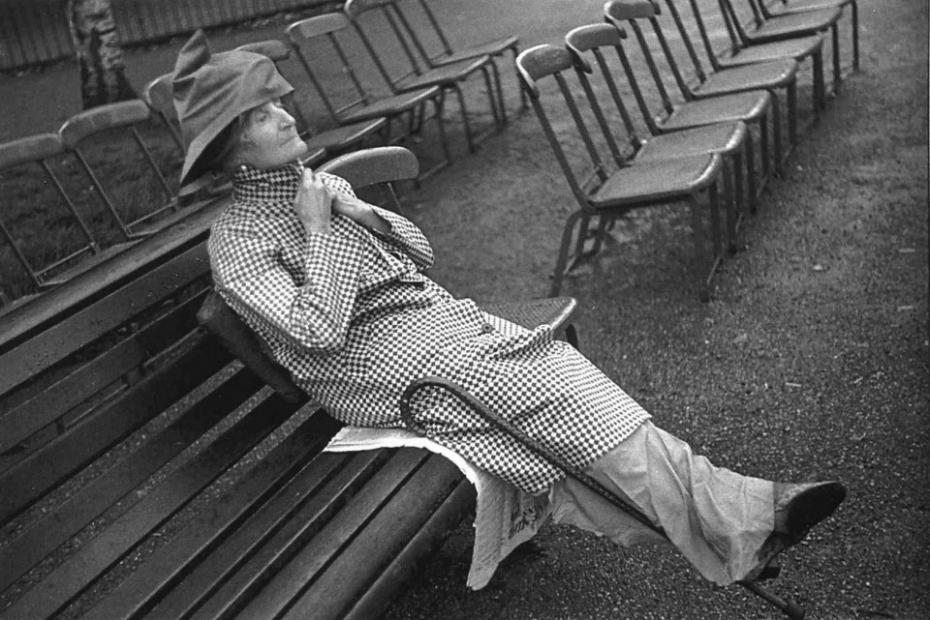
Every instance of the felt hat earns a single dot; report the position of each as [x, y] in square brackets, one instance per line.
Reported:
[212, 90]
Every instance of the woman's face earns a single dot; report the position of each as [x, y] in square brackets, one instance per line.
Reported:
[269, 138]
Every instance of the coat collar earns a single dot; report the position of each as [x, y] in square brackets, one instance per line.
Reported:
[276, 184]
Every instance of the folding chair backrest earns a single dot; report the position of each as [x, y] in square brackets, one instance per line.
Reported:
[401, 36]
[632, 13]
[550, 62]
[111, 122]
[39, 236]
[593, 40]
[384, 165]
[380, 165]
[324, 29]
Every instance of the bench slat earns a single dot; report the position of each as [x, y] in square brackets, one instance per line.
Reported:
[174, 565]
[300, 523]
[178, 488]
[300, 572]
[67, 336]
[76, 387]
[45, 534]
[44, 469]
[370, 550]
[376, 599]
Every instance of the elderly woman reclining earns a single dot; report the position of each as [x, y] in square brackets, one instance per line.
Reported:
[336, 288]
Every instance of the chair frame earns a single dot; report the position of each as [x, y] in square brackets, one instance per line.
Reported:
[411, 105]
[658, 146]
[548, 60]
[421, 71]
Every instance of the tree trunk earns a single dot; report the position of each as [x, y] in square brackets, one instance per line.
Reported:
[99, 55]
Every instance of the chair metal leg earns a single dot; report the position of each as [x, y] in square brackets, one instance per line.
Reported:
[819, 86]
[751, 185]
[777, 149]
[561, 263]
[837, 71]
[855, 33]
[729, 197]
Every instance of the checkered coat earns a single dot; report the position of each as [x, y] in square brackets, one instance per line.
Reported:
[354, 319]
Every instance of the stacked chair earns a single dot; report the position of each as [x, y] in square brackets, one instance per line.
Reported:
[613, 187]
[418, 70]
[724, 105]
[767, 27]
[404, 108]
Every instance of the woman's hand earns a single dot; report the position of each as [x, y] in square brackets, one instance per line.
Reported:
[360, 211]
[313, 203]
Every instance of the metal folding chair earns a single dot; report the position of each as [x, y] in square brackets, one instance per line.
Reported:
[771, 75]
[610, 191]
[728, 139]
[753, 108]
[152, 195]
[799, 50]
[766, 29]
[551, 455]
[442, 52]
[320, 143]
[361, 105]
[417, 72]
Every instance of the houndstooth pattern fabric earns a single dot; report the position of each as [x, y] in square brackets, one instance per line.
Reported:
[354, 319]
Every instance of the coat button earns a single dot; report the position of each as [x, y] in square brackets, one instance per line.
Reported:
[487, 328]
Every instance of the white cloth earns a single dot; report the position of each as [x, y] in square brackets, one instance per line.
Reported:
[505, 516]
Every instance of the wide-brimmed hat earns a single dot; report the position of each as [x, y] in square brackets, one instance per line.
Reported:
[212, 90]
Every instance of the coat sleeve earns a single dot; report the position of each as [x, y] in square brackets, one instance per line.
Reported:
[404, 234]
[252, 280]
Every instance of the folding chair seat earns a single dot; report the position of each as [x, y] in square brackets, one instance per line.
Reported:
[799, 50]
[363, 106]
[48, 229]
[728, 139]
[430, 27]
[98, 137]
[784, 26]
[753, 108]
[771, 76]
[320, 143]
[610, 191]
[417, 73]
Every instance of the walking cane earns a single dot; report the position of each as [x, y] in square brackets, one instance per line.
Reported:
[788, 607]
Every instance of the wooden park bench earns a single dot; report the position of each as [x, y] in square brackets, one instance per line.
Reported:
[145, 472]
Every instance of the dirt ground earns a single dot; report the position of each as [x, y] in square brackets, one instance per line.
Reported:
[810, 361]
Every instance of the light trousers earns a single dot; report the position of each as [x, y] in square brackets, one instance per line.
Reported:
[716, 518]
